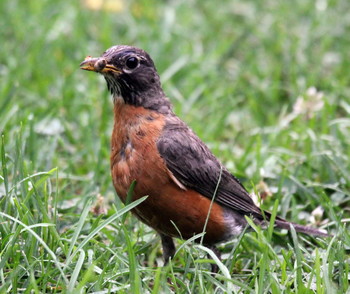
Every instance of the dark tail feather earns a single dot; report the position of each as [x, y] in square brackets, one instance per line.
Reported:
[283, 224]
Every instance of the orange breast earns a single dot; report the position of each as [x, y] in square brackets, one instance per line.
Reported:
[134, 156]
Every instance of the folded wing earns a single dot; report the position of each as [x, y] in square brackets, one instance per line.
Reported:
[195, 167]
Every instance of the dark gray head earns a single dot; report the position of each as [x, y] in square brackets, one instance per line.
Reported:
[131, 75]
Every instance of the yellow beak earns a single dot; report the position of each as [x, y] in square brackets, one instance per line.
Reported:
[98, 65]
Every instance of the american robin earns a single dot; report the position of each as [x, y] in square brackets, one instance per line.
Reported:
[189, 190]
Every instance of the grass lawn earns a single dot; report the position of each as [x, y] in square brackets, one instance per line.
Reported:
[264, 83]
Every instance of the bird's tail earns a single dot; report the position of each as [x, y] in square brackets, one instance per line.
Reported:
[283, 224]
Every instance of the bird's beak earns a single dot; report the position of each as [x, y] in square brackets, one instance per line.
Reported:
[98, 64]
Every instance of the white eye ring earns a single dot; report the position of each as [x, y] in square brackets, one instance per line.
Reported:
[131, 63]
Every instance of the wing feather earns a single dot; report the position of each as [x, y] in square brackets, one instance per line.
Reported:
[193, 165]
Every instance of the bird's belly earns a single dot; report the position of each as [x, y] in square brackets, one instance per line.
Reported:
[169, 209]
[183, 214]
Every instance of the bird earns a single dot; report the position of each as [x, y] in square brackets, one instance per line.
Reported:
[189, 190]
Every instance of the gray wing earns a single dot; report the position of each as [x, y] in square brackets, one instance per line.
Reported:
[195, 167]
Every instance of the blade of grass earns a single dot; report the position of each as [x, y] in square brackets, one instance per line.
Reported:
[79, 226]
[211, 204]
[157, 281]
[112, 218]
[129, 198]
[76, 271]
[222, 267]
[299, 285]
[134, 275]
[4, 165]
[41, 241]
[326, 264]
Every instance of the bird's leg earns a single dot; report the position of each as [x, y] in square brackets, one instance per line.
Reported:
[214, 266]
[168, 247]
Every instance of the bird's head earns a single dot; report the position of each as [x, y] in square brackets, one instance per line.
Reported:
[131, 76]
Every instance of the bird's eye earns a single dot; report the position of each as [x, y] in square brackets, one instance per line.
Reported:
[132, 62]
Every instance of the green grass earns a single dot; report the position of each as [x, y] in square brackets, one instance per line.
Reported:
[234, 71]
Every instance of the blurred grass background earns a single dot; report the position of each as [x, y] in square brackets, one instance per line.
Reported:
[264, 84]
